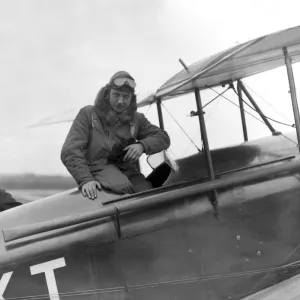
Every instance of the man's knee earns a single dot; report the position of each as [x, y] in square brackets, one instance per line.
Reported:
[113, 179]
[119, 188]
[139, 182]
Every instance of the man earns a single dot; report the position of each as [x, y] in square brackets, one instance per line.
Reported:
[106, 140]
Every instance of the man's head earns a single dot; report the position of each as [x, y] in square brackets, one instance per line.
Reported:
[122, 87]
[118, 96]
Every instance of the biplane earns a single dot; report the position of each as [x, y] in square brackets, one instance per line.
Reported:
[219, 224]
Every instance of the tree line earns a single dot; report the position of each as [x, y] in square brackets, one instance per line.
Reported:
[33, 181]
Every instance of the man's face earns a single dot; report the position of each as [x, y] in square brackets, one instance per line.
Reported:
[119, 99]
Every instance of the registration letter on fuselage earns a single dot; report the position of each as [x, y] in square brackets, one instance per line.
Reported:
[3, 283]
[48, 268]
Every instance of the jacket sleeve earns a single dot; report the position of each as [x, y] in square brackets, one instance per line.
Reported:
[152, 137]
[73, 150]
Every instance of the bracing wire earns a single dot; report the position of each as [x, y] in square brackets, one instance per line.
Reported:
[212, 110]
[221, 94]
[189, 144]
[181, 127]
[289, 139]
[146, 113]
[266, 101]
[209, 115]
[148, 110]
[237, 106]
[293, 126]
[251, 114]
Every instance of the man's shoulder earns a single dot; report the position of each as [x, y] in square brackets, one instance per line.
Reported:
[2, 192]
[139, 116]
[87, 109]
[85, 112]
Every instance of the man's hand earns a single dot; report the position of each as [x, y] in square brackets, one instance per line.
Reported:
[134, 152]
[89, 189]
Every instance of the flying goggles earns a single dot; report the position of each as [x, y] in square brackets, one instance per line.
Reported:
[124, 81]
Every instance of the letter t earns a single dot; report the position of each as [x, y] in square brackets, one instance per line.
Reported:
[48, 268]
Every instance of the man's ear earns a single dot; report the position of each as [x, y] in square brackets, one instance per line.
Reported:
[133, 103]
[102, 95]
[106, 92]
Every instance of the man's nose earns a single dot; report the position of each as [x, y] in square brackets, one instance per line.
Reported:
[121, 99]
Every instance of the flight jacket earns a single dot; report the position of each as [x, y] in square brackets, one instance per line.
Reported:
[89, 143]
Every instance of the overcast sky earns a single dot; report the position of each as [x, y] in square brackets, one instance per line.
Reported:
[56, 54]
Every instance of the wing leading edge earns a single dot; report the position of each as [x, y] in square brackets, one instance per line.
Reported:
[253, 57]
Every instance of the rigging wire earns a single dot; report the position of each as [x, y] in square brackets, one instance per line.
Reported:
[237, 105]
[207, 116]
[253, 115]
[267, 102]
[221, 94]
[148, 109]
[189, 144]
[289, 139]
[181, 127]
[146, 113]
[293, 126]
[212, 110]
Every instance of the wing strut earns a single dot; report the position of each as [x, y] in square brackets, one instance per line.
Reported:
[160, 115]
[209, 166]
[243, 88]
[242, 112]
[289, 69]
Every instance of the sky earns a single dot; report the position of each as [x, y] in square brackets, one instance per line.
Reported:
[55, 55]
